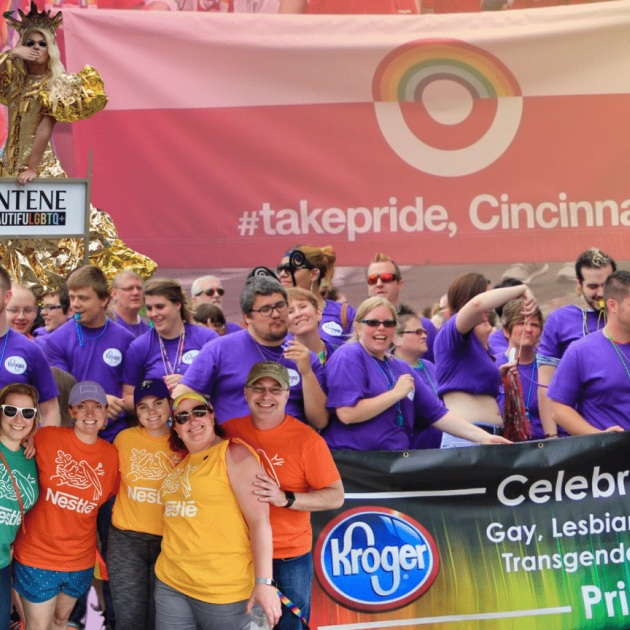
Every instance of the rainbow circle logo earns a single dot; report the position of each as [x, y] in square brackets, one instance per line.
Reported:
[446, 107]
[374, 559]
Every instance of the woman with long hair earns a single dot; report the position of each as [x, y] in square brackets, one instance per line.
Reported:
[468, 375]
[18, 475]
[216, 559]
[379, 400]
[312, 268]
[168, 349]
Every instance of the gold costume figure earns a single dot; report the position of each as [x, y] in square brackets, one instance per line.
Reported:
[36, 100]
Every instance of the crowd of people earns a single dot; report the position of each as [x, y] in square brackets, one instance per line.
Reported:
[181, 423]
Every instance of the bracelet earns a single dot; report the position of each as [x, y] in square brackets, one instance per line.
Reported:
[290, 498]
[551, 435]
[266, 581]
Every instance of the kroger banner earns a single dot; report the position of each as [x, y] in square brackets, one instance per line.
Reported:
[444, 138]
[527, 536]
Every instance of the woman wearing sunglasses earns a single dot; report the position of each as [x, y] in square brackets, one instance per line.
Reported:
[312, 268]
[380, 400]
[135, 536]
[18, 476]
[168, 349]
[54, 556]
[216, 559]
[468, 375]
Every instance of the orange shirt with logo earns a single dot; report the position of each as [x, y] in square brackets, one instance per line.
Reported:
[75, 479]
[144, 462]
[299, 460]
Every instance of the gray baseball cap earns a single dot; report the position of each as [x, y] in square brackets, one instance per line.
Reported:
[87, 390]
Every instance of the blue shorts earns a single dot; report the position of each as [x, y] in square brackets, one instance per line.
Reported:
[41, 585]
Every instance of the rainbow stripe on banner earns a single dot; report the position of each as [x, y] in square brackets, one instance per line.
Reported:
[406, 71]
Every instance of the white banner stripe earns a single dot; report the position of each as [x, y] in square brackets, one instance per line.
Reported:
[425, 621]
[362, 496]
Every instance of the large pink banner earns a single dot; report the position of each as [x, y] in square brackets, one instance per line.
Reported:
[445, 139]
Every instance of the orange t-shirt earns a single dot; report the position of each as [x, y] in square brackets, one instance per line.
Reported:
[300, 461]
[75, 479]
[144, 462]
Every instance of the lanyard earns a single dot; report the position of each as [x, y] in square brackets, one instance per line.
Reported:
[426, 372]
[179, 355]
[400, 419]
[82, 336]
[293, 608]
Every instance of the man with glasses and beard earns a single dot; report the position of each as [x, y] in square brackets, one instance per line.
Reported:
[22, 361]
[220, 369]
[385, 280]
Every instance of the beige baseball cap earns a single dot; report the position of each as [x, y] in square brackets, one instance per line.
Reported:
[272, 369]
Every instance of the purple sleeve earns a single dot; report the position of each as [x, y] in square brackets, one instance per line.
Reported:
[318, 370]
[55, 349]
[347, 381]
[134, 362]
[426, 406]
[42, 378]
[549, 343]
[566, 383]
[431, 335]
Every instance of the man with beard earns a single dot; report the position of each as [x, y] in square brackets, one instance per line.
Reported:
[570, 323]
[220, 369]
[22, 361]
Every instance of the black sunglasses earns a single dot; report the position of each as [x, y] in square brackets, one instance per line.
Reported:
[210, 292]
[199, 412]
[375, 323]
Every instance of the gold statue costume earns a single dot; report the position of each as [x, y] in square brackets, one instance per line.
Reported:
[43, 264]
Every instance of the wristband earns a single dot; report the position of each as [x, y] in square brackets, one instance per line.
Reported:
[266, 581]
[290, 498]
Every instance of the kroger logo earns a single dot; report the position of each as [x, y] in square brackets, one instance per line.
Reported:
[375, 559]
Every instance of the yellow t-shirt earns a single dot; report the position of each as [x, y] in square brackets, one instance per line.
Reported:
[206, 552]
[144, 462]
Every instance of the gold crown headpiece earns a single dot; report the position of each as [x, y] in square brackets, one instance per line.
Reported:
[34, 20]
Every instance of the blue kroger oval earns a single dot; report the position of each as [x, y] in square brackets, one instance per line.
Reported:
[375, 559]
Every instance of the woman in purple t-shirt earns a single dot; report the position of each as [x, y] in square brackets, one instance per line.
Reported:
[468, 374]
[379, 400]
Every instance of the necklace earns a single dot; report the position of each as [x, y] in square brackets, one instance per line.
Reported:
[426, 373]
[601, 316]
[400, 419]
[323, 355]
[82, 336]
[179, 355]
[624, 360]
[270, 356]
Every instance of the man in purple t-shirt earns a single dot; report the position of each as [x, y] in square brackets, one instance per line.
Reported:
[209, 289]
[220, 369]
[569, 323]
[590, 390]
[127, 296]
[384, 279]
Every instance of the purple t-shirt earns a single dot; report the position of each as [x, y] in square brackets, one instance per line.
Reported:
[498, 344]
[231, 327]
[331, 328]
[463, 364]
[137, 329]
[24, 362]
[144, 358]
[353, 374]
[99, 360]
[40, 332]
[432, 332]
[221, 368]
[564, 326]
[594, 378]
[429, 437]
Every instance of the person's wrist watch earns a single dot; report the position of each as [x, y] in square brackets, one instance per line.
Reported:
[290, 498]
[267, 581]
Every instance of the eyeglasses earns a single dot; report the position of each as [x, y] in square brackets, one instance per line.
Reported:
[286, 268]
[266, 310]
[30, 43]
[258, 389]
[375, 323]
[28, 413]
[417, 331]
[210, 292]
[385, 277]
[27, 310]
[49, 308]
[199, 412]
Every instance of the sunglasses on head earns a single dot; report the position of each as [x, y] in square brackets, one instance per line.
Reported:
[385, 277]
[199, 412]
[375, 323]
[210, 292]
[28, 413]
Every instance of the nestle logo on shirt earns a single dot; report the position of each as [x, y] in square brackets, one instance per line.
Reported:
[112, 356]
[180, 508]
[69, 502]
[143, 495]
[10, 517]
[15, 365]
